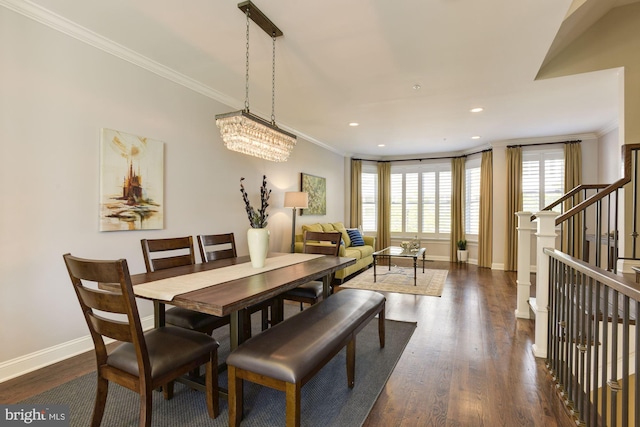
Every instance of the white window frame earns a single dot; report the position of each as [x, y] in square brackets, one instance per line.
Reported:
[369, 225]
[472, 197]
[542, 155]
[438, 168]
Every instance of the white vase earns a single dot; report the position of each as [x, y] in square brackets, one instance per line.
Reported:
[463, 255]
[258, 240]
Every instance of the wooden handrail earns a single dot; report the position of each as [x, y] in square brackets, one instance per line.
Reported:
[592, 200]
[570, 194]
[627, 162]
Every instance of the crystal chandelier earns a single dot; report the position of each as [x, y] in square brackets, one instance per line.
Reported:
[247, 133]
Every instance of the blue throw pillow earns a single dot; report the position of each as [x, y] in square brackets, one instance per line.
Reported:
[355, 236]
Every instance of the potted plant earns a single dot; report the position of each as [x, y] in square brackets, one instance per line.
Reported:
[257, 235]
[463, 253]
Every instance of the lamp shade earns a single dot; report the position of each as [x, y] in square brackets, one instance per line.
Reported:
[296, 199]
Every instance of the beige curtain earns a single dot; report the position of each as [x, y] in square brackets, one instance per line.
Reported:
[485, 232]
[457, 205]
[384, 205]
[573, 178]
[355, 218]
[514, 204]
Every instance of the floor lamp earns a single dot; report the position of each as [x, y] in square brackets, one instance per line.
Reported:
[295, 200]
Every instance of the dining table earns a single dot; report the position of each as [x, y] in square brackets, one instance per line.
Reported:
[232, 296]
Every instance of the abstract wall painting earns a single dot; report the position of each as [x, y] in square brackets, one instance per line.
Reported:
[131, 182]
[316, 187]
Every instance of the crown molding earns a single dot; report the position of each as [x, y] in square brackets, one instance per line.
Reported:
[609, 128]
[78, 32]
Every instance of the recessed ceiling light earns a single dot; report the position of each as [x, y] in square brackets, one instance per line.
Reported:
[417, 87]
[477, 109]
[354, 124]
[475, 137]
[380, 145]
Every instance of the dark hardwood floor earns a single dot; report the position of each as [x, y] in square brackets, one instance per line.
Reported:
[469, 362]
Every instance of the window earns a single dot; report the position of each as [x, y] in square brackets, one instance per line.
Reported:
[396, 202]
[421, 199]
[472, 197]
[443, 201]
[369, 198]
[404, 202]
[542, 179]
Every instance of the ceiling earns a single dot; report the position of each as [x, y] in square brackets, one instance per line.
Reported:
[359, 61]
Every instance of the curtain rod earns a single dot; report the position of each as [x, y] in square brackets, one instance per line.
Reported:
[425, 158]
[545, 143]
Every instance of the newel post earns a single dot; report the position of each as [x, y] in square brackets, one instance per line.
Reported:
[525, 227]
[545, 238]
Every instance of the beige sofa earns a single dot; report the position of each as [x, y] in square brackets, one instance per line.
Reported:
[362, 254]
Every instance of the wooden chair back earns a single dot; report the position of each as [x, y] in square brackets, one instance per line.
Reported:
[217, 246]
[85, 276]
[322, 242]
[177, 251]
[175, 351]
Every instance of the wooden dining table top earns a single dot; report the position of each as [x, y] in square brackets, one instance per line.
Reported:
[230, 297]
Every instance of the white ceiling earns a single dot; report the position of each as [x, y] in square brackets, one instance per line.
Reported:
[358, 60]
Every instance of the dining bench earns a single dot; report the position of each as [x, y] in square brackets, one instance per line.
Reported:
[288, 355]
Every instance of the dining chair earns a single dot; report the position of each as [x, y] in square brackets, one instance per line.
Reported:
[314, 242]
[142, 361]
[160, 254]
[217, 246]
[222, 246]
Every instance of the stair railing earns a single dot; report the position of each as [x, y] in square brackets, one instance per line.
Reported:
[600, 210]
[586, 313]
[593, 341]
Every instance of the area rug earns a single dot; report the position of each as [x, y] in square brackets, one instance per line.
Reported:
[400, 280]
[326, 399]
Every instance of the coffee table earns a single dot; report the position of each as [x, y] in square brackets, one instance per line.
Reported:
[398, 252]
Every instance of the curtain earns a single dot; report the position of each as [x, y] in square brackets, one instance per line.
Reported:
[514, 204]
[572, 236]
[356, 193]
[485, 231]
[457, 204]
[384, 205]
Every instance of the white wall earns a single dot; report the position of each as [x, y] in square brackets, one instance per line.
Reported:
[610, 157]
[56, 94]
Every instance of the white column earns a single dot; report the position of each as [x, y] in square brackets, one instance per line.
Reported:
[525, 227]
[545, 238]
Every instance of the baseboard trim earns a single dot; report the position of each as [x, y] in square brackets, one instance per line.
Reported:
[30, 362]
[497, 266]
[436, 258]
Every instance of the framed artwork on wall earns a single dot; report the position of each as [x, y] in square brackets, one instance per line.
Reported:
[131, 182]
[316, 187]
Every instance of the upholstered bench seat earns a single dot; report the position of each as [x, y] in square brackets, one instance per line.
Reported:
[286, 356]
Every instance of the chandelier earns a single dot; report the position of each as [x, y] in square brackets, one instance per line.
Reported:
[247, 133]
